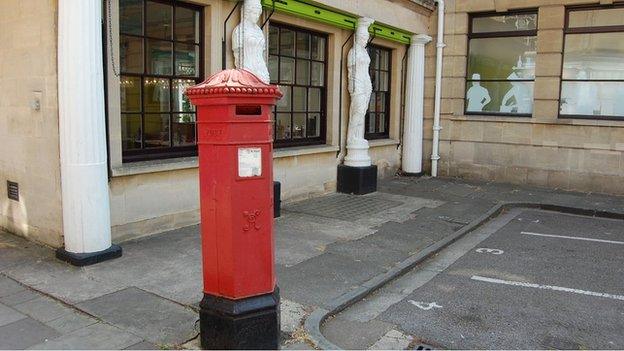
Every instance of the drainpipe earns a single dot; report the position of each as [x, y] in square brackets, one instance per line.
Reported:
[435, 156]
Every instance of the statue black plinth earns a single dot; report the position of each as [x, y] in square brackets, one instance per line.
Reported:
[357, 180]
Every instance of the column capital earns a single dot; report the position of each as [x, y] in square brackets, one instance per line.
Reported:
[420, 39]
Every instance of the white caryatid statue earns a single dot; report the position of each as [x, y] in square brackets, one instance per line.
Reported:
[360, 88]
[248, 43]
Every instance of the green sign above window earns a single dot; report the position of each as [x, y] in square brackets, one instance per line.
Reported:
[309, 10]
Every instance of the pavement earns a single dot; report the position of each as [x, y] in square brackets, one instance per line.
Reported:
[327, 248]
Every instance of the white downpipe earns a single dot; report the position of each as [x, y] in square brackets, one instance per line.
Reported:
[435, 150]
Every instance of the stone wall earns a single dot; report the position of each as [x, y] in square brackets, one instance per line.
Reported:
[574, 154]
[29, 139]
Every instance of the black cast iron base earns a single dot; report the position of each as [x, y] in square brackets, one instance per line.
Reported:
[277, 199]
[251, 324]
[357, 180]
[86, 259]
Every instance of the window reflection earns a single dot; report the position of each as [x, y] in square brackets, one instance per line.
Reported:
[501, 64]
[131, 16]
[593, 69]
[376, 125]
[131, 54]
[158, 19]
[156, 130]
[504, 23]
[159, 57]
[297, 64]
[596, 18]
[160, 52]
[156, 95]
[594, 56]
[130, 94]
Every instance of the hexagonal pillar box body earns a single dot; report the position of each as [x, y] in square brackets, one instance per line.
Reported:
[240, 308]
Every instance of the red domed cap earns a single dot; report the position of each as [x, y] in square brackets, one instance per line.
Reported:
[233, 82]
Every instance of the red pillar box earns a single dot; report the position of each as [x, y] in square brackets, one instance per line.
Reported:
[240, 308]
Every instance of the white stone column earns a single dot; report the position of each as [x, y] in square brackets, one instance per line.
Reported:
[414, 105]
[84, 180]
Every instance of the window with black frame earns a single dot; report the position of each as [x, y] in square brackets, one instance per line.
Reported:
[297, 63]
[160, 48]
[501, 64]
[378, 115]
[592, 79]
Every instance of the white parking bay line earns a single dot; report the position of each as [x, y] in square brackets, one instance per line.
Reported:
[547, 287]
[574, 238]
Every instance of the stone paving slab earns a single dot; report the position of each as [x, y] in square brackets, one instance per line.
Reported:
[72, 321]
[19, 297]
[17, 251]
[9, 315]
[99, 336]
[9, 287]
[68, 283]
[298, 239]
[152, 317]
[143, 345]
[364, 251]
[43, 309]
[25, 333]
[321, 279]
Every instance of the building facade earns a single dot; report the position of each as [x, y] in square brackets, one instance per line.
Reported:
[530, 92]
[152, 51]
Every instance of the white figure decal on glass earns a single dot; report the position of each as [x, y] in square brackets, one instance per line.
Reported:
[477, 95]
[519, 98]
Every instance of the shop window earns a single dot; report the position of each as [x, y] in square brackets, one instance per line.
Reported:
[378, 115]
[501, 64]
[298, 64]
[160, 56]
[592, 81]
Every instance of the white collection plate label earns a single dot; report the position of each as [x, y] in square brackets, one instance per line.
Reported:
[249, 162]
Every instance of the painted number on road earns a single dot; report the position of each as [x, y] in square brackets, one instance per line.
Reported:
[424, 305]
[490, 251]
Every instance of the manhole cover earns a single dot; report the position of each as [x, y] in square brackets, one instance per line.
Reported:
[343, 206]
